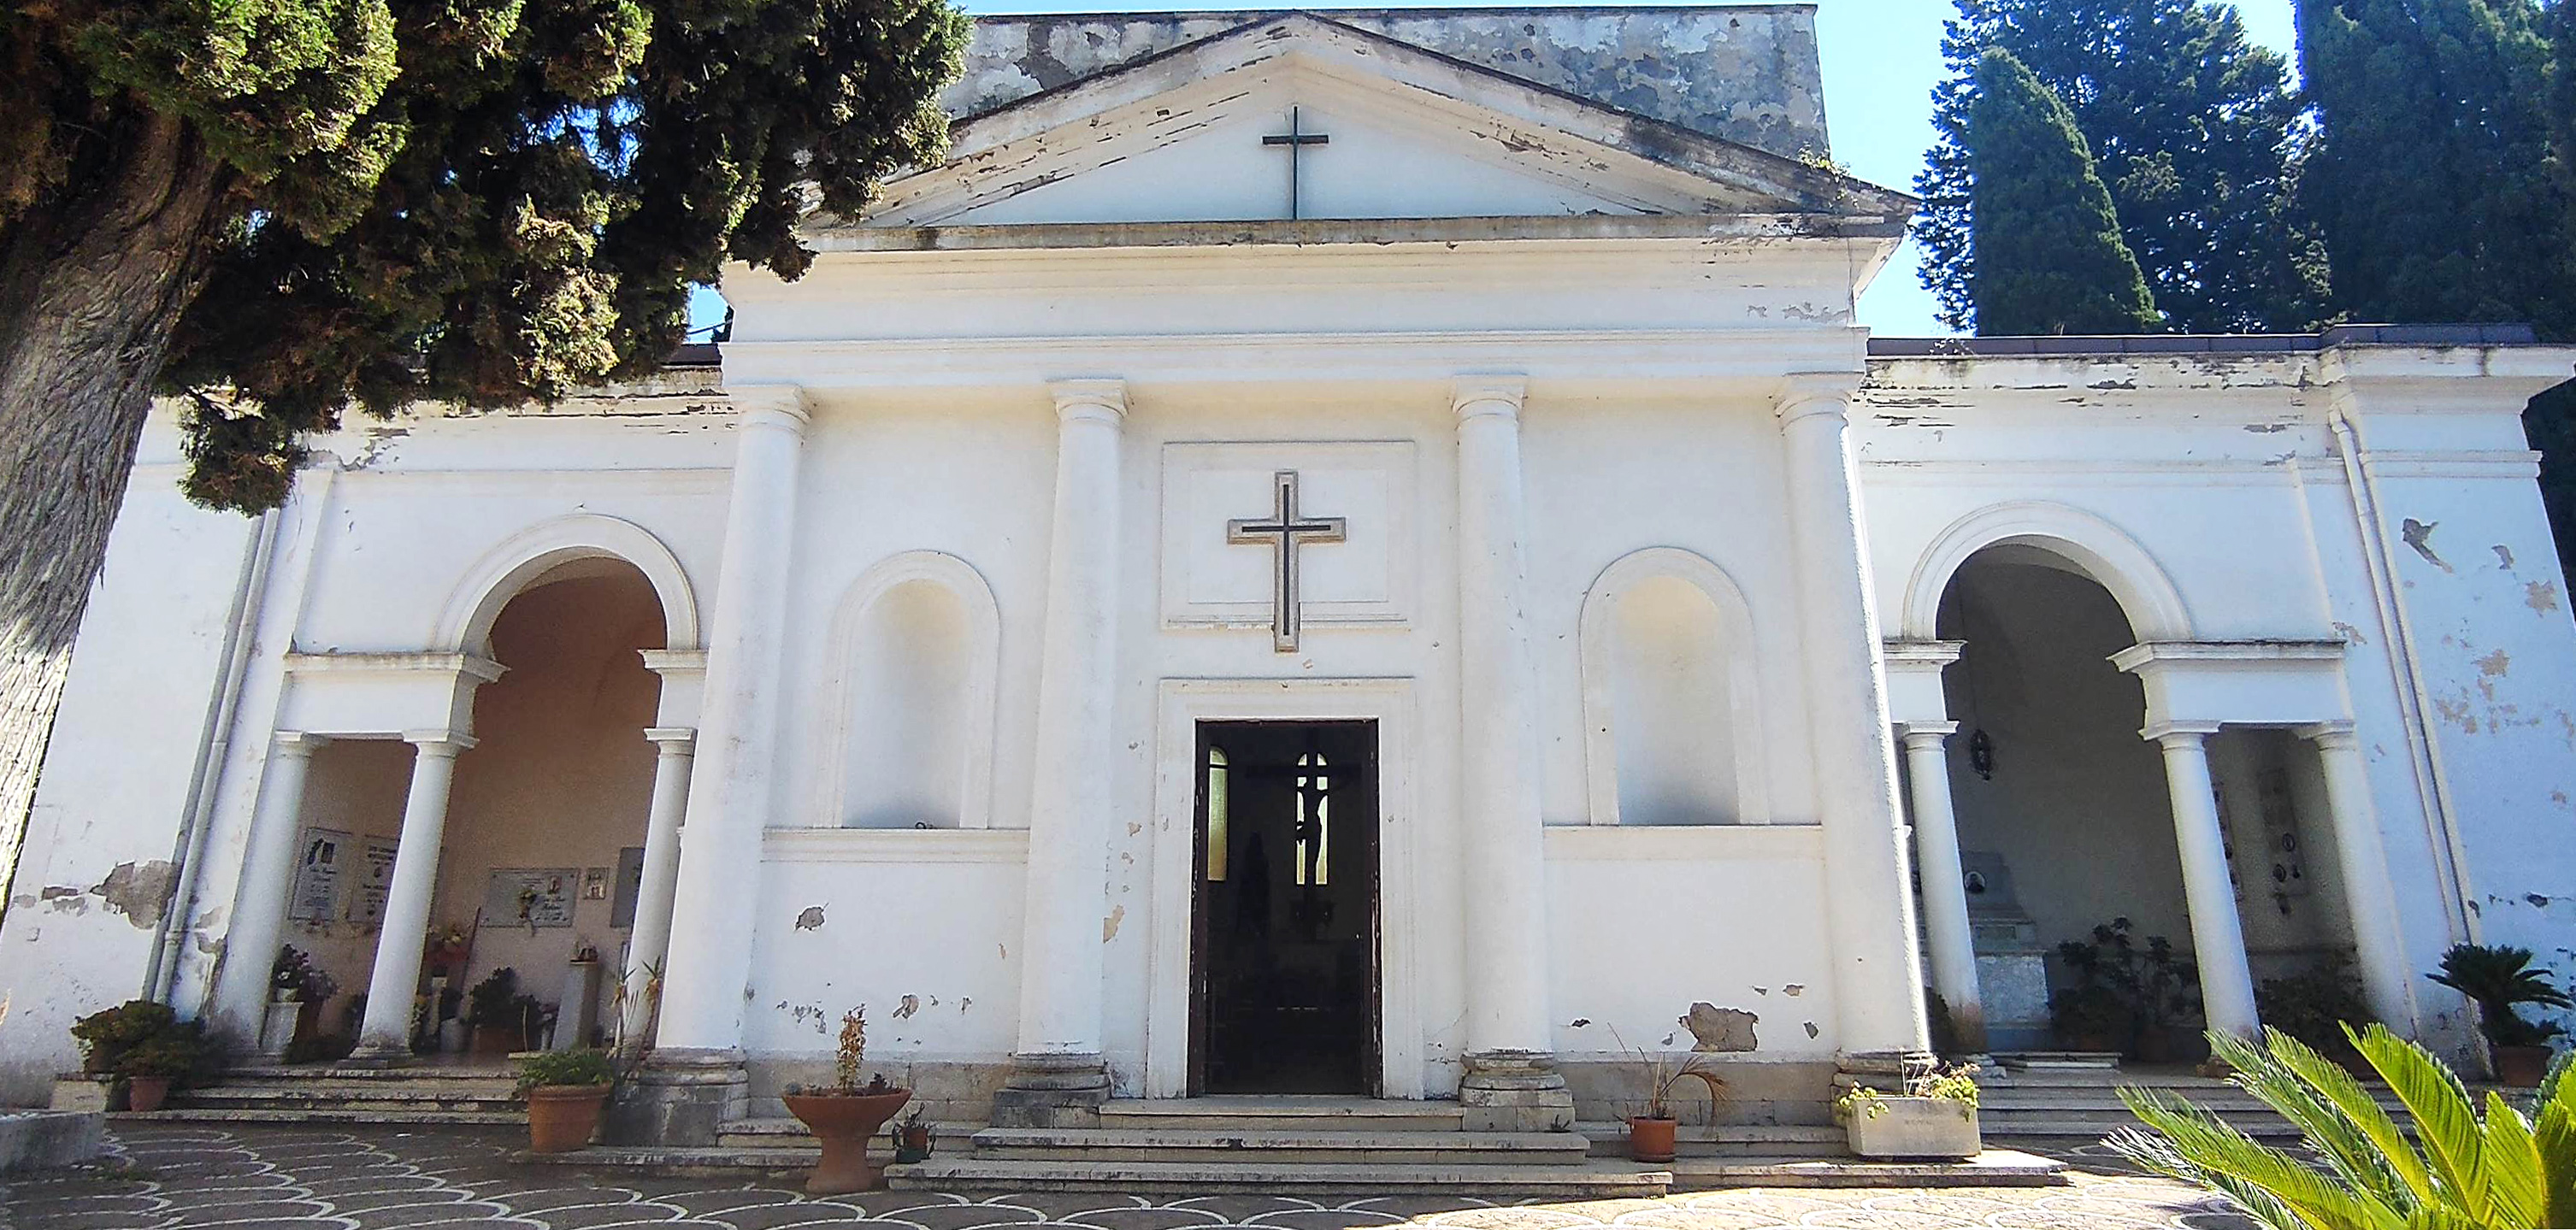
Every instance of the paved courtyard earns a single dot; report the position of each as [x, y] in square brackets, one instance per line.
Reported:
[256, 1178]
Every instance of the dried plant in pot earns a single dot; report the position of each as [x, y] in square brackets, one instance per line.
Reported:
[1655, 1135]
[845, 1115]
[1932, 1113]
[565, 1091]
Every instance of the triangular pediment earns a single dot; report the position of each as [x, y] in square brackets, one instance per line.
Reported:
[1180, 137]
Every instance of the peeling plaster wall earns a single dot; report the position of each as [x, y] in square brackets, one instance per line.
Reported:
[86, 903]
[1746, 73]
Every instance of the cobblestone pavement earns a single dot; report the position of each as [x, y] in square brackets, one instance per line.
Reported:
[259, 1178]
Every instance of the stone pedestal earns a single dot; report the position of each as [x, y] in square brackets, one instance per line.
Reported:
[681, 1098]
[1514, 1091]
[1052, 1091]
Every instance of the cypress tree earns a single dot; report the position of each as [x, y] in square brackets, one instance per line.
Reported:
[2432, 175]
[278, 208]
[2193, 129]
[2049, 254]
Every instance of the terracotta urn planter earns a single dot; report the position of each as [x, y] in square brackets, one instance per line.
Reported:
[1651, 1139]
[844, 1123]
[146, 1093]
[562, 1118]
[2520, 1067]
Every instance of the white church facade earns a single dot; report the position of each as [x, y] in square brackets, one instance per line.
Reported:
[1353, 552]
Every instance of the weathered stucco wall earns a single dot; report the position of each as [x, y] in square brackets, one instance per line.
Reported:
[1745, 73]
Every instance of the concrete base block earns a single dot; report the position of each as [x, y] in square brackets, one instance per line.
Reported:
[1514, 1091]
[680, 1098]
[43, 1139]
[1052, 1091]
[82, 1093]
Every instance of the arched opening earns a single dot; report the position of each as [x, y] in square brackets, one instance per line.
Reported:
[904, 753]
[2064, 820]
[1672, 707]
[541, 852]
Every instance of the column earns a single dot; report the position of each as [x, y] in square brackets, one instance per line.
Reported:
[718, 882]
[2217, 936]
[1870, 898]
[1511, 1082]
[385, 1035]
[1945, 891]
[267, 879]
[1058, 1077]
[649, 944]
[2363, 861]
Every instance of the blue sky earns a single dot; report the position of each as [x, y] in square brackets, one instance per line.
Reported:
[1882, 58]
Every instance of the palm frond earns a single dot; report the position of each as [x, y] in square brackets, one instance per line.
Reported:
[2514, 1184]
[2340, 1121]
[2444, 1120]
[2214, 1154]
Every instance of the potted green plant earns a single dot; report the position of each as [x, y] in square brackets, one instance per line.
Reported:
[145, 1046]
[151, 1068]
[565, 1091]
[2157, 992]
[2314, 1007]
[2088, 1018]
[912, 1138]
[845, 1115]
[297, 988]
[1931, 1114]
[493, 1010]
[1655, 1135]
[2498, 980]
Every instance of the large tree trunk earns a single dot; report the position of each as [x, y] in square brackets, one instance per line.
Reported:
[90, 285]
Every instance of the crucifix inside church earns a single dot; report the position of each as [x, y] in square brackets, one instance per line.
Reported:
[1295, 140]
[1284, 531]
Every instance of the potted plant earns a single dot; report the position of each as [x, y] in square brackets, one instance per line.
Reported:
[2314, 1007]
[161, 1061]
[493, 1011]
[2088, 1018]
[565, 1090]
[1654, 1135]
[2156, 991]
[912, 1138]
[844, 1116]
[2498, 980]
[141, 1045]
[1932, 1114]
[297, 989]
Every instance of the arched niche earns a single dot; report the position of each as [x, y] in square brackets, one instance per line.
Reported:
[2086, 544]
[1671, 694]
[545, 550]
[907, 741]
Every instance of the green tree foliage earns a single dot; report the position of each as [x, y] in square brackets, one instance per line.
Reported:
[2433, 177]
[2193, 129]
[2050, 259]
[280, 208]
[2461, 1169]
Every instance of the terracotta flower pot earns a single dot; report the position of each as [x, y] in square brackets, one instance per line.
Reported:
[2521, 1066]
[562, 1118]
[146, 1093]
[495, 1039]
[844, 1123]
[1651, 1139]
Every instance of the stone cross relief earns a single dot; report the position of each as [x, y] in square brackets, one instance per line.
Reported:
[1284, 531]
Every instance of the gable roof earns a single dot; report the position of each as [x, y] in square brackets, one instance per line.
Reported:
[1047, 137]
[1747, 73]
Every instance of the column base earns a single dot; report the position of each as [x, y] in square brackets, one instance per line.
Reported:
[1514, 1091]
[1052, 1091]
[380, 1053]
[680, 1098]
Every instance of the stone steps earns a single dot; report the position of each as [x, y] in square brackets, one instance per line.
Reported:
[1284, 1114]
[978, 1175]
[326, 1114]
[1726, 1140]
[349, 1093]
[1270, 1145]
[787, 1131]
[1992, 1168]
[2051, 1107]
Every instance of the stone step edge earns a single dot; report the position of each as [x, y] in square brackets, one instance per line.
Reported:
[1384, 1113]
[794, 1128]
[268, 1114]
[1992, 1168]
[1317, 1177]
[1254, 1140]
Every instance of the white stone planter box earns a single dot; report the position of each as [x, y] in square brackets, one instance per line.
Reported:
[1915, 1127]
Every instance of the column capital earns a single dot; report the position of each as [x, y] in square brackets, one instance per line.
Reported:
[1803, 394]
[1098, 401]
[2178, 734]
[1926, 734]
[438, 742]
[669, 662]
[1495, 395]
[771, 405]
[2335, 735]
[296, 743]
[673, 739]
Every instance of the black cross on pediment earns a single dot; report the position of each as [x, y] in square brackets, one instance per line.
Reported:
[1295, 139]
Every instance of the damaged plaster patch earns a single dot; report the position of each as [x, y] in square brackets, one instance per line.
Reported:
[811, 919]
[2495, 665]
[2504, 557]
[1109, 925]
[1718, 1030]
[911, 1004]
[2419, 535]
[2541, 596]
[140, 891]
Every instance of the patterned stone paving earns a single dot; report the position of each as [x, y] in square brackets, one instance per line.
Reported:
[276, 1178]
